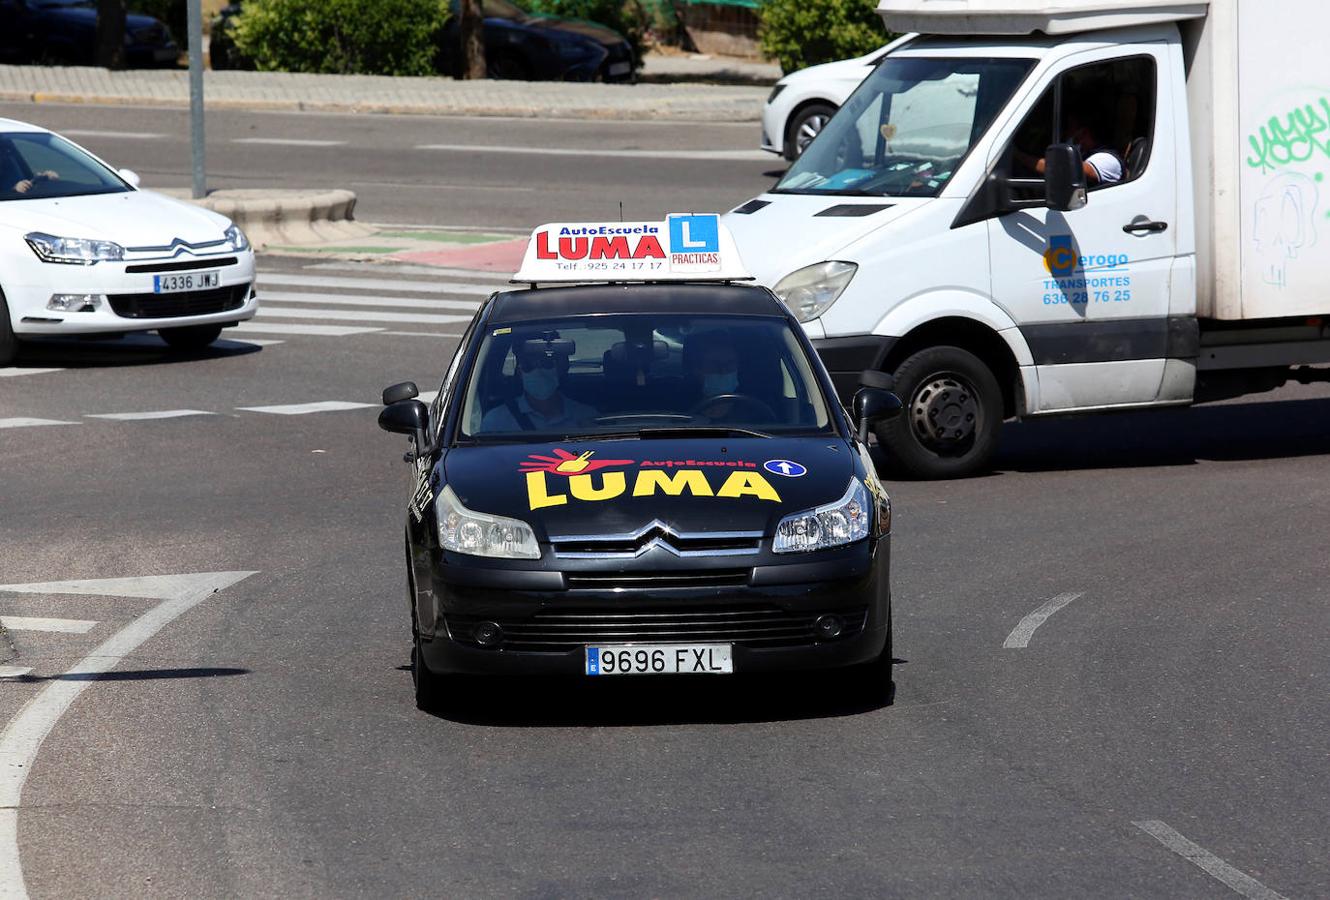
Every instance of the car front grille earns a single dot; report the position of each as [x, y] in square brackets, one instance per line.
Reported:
[568, 629]
[641, 580]
[183, 265]
[189, 303]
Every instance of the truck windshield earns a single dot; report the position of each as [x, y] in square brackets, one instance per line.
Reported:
[905, 130]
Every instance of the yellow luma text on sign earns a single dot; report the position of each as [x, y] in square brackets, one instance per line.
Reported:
[613, 484]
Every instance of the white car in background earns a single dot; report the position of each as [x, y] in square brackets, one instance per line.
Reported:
[803, 102]
[84, 251]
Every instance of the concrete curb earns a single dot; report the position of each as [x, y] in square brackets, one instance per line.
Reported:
[286, 217]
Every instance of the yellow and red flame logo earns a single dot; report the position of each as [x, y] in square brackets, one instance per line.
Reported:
[565, 463]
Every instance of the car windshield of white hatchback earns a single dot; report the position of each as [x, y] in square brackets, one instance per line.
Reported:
[904, 130]
[39, 165]
[622, 375]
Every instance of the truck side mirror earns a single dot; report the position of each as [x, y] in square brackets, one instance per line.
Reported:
[1064, 178]
[873, 405]
[403, 391]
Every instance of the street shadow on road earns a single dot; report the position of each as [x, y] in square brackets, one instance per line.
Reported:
[1178, 437]
[134, 350]
[139, 675]
[646, 701]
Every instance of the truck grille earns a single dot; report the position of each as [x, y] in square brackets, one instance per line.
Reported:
[751, 626]
[190, 303]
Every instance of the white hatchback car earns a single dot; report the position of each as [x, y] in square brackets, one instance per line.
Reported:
[83, 251]
[803, 102]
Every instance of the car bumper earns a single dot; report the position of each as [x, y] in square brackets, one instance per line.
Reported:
[773, 127]
[768, 619]
[128, 303]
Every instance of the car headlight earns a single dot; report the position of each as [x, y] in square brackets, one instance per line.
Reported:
[775, 91]
[72, 251]
[480, 534]
[843, 522]
[810, 291]
[236, 238]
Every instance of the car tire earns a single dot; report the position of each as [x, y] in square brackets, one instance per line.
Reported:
[873, 680]
[8, 341]
[429, 685]
[953, 413]
[508, 66]
[190, 337]
[806, 125]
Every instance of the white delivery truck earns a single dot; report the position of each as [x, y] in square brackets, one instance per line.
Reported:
[1040, 207]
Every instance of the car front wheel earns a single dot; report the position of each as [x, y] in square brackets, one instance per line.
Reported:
[190, 337]
[807, 124]
[8, 342]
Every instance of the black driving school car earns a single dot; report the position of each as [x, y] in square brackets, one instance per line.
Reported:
[644, 477]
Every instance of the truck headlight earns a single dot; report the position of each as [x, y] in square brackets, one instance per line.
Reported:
[480, 534]
[236, 238]
[810, 291]
[72, 251]
[843, 522]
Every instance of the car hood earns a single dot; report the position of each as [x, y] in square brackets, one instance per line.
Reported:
[132, 219]
[594, 31]
[622, 487]
[86, 17]
[797, 230]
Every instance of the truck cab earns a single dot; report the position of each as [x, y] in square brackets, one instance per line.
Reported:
[1037, 209]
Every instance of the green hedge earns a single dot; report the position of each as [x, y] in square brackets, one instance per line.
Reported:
[802, 33]
[370, 37]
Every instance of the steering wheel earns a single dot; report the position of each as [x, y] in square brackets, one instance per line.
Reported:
[739, 400]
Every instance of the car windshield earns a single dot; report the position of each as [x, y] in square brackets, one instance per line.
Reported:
[625, 375]
[904, 130]
[36, 165]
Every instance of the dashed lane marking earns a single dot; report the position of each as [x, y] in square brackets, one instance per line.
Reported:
[592, 151]
[157, 414]
[12, 672]
[25, 422]
[22, 737]
[1212, 865]
[1024, 630]
[292, 328]
[32, 623]
[257, 342]
[119, 135]
[500, 279]
[300, 409]
[351, 315]
[433, 334]
[366, 300]
[288, 142]
[16, 371]
[334, 281]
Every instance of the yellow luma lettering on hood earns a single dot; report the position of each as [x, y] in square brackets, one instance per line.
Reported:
[738, 484]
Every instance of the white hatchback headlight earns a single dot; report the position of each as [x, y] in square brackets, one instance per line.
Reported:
[236, 238]
[811, 290]
[480, 534]
[72, 251]
[843, 522]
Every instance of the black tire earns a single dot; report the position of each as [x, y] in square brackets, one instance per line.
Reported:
[429, 684]
[806, 125]
[8, 341]
[873, 680]
[190, 337]
[953, 412]
[508, 66]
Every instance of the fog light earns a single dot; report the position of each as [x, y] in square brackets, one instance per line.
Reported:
[829, 626]
[488, 634]
[76, 302]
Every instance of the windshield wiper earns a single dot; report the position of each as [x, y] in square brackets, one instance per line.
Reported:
[701, 431]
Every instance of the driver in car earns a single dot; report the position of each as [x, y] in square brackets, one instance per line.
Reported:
[12, 177]
[541, 364]
[713, 369]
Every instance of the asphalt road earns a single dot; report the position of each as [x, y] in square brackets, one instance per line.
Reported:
[1162, 733]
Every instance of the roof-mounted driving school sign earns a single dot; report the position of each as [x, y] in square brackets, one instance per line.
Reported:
[681, 248]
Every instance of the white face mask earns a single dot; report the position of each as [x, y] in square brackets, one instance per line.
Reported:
[540, 384]
[713, 385]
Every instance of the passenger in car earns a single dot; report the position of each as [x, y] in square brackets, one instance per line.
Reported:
[541, 366]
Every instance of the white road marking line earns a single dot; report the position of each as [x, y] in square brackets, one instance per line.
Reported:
[366, 300]
[433, 334]
[158, 414]
[284, 328]
[121, 135]
[352, 315]
[32, 623]
[288, 142]
[300, 409]
[428, 396]
[500, 280]
[379, 284]
[24, 422]
[1213, 866]
[592, 151]
[23, 736]
[1024, 630]
[257, 342]
[16, 371]
[11, 672]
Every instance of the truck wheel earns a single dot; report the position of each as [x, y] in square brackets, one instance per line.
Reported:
[953, 411]
[807, 125]
[190, 337]
[8, 342]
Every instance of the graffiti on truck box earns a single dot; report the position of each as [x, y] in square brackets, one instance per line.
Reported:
[1294, 137]
[1284, 223]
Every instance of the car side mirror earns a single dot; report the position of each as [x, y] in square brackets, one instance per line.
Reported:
[131, 176]
[872, 405]
[875, 378]
[1064, 178]
[406, 417]
[406, 390]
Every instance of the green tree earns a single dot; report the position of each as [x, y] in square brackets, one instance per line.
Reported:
[802, 33]
[371, 37]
